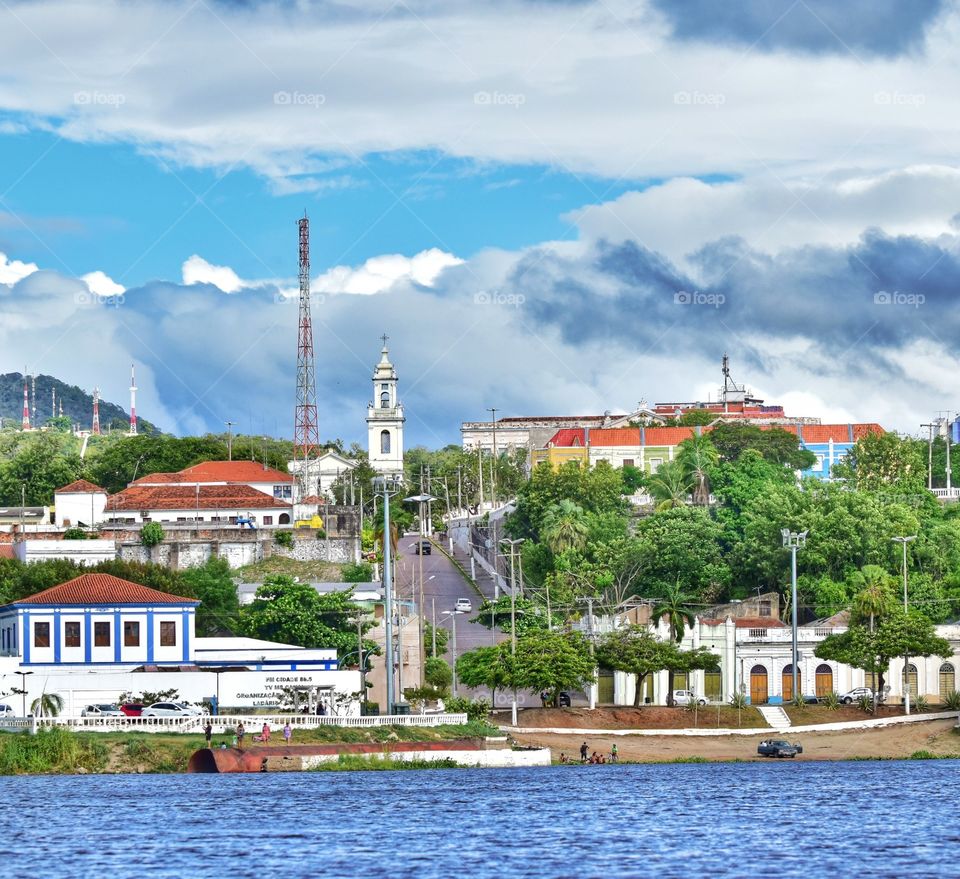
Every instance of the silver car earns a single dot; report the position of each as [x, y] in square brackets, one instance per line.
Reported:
[170, 709]
[688, 697]
[858, 693]
[102, 710]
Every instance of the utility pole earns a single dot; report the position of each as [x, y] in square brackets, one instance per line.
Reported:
[906, 659]
[931, 425]
[590, 634]
[459, 489]
[363, 675]
[230, 439]
[480, 471]
[493, 460]
[513, 544]
[793, 541]
[433, 626]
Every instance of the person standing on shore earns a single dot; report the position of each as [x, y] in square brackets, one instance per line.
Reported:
[240, 734]
[208, 732]
[584, 750]
[287, 732]
[265, 734]
[614, 753]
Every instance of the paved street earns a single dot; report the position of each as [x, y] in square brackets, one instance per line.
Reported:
[443, 584]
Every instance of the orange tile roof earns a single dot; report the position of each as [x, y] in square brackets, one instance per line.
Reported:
[839, 433]
[615, 436]
[185, 497]
[667, 436]
[567, 437]
[81, 486]
[90, 589]
[217, 471]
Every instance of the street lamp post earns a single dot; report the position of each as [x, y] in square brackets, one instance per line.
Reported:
[388, 488]
[453, 640]
[493, 460]
[794, 540]
[420, 500]
[906, 659]
[23, 688]
[513, 544]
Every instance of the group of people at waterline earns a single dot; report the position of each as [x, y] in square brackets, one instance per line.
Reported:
[587, 757]
[240, 732]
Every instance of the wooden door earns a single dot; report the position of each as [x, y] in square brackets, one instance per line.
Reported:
[787, 681]
[759, 691]
[824, 680]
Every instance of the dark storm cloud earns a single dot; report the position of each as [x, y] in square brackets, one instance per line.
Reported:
[870, 27]
[882, 292]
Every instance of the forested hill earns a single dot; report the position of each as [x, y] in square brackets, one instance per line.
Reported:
[77, 403]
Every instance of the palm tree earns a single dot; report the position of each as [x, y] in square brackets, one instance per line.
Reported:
[563, 527]
[873, 601]
[697, 457]
[673, 606]
[669, 486]
[48, 705]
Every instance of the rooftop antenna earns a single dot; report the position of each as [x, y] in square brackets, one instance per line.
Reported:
[33, 393]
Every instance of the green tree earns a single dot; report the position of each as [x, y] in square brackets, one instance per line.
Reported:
[441, 637]
[635, 650]
[152, 534]
[295, 613]
[563, 527]
[438, 674]
[698, 457]
[487, 667]
[48, 705]
[41, 464]
[884, 462]
[776, 445]
[896, 634]
[553, 661]
[669, 486]
[675, 606]
[213, 584]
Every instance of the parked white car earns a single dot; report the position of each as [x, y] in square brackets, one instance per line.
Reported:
[687, 697]
[170, 709]
[7, 711]
[102, 710]
[858, 693]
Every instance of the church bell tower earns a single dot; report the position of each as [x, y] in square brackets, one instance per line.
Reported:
[385, 418]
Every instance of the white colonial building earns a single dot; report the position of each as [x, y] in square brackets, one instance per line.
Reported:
[79, 504]
[385, 419]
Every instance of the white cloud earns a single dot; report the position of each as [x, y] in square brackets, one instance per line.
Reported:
[103, 285]
[196, 270]
[12, 270]
[379, 273]
[462, 79]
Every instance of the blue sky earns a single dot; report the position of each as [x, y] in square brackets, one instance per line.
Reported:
[525, 195]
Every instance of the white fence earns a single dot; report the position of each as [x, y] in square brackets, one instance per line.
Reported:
[222, 723]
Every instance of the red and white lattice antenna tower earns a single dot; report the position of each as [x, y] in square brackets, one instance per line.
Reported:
[95, 428]
[133, 401]
[306, 436]
[25, 421]
[33, 396]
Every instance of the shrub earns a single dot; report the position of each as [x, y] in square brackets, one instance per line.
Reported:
[151, 534]
[357, 572]
[437, 673]
[284, 538]
[952, 701]
[74, 534]
[921, 704]
[831, 701]
[321, 534]
[477, 709]
[865, 703]
[739, 700]
[797, 701]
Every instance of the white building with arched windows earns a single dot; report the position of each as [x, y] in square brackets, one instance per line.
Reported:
[385, 419]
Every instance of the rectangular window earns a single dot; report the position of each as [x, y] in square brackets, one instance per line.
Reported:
[131, 634]
[168, 634]
[655, 464]
[101, 634]
[41, 634]
[71, 634]
[268, 520]
[628, 462]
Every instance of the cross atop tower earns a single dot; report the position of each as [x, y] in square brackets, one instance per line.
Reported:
[385, 337]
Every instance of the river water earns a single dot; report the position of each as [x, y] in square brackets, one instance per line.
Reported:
[888, 819]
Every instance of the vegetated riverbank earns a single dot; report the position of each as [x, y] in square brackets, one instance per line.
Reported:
[937, 737]
[61, 751]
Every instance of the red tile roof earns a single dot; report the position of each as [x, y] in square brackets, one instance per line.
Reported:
[217, 471]
[667, 436]
[81, 486]
[185, 497]
[313, 499]
[90, 589]
[839, 433]
[567, 437]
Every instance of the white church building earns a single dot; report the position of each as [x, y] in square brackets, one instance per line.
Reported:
[385, 418]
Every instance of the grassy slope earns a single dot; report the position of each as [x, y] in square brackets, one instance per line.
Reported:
[325, 572]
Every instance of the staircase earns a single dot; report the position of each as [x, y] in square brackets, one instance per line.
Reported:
[774, 715]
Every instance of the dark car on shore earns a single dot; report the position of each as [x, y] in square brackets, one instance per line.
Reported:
[779, 748]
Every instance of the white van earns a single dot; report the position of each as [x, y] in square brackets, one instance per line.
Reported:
[7, 711]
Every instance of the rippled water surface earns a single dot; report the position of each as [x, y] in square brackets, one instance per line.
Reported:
[705, 821]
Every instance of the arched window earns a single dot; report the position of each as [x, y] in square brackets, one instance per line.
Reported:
[759, 691]
[787, 682]
[284, 519]
[912, 681]
[948, 680]
[384, 442]
[384, 399]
